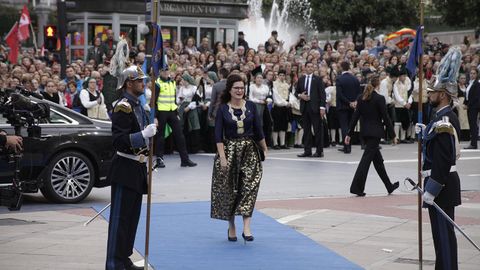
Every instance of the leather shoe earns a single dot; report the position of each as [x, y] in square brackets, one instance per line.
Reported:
[304, 155]
[298, 146]
[470, 147]
[318, 154]
[160, 163]
[341, 149]
[188, 163]
[359, 194]
[394, 186]
[131, 266]
[134, 267]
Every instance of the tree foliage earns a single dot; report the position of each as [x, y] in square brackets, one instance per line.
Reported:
[352, 16]
[8, 17]
[459, 12]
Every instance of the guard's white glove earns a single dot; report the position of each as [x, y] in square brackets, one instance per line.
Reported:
[419, 128]
[428, 198]
[146, 107]
[149, 131]
[192, 105]
[269, 100]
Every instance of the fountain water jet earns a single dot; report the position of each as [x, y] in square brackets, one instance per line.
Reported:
[290, 20]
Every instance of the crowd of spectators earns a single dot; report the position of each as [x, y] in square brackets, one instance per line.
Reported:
[271, 71]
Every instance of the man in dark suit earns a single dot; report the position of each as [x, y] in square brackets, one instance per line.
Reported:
[472, 101]
[96, 52]
[348, 90]
[131, 133]
[217, 90]
[311, 92]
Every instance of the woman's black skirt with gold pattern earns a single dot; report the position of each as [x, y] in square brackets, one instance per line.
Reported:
[235, 189]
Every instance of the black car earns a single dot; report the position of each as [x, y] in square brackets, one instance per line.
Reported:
[72, 155]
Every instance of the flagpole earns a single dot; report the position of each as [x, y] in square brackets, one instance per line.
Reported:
[419, 164]
[33, 36]
[150, 153]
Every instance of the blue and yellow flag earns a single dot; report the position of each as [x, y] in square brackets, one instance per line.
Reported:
[158, 62]
[415, 53]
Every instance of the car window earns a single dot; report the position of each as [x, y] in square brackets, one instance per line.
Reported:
[56, 118]
[3, 120]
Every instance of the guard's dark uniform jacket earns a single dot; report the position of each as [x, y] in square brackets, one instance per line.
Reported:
[442, 181]
[439, 155]
[128, 120]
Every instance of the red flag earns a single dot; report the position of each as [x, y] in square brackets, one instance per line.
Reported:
[23, 31]
[12, 40]
[403, 43]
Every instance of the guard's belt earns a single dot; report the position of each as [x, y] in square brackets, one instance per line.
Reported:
[427, 173]
[140, 158]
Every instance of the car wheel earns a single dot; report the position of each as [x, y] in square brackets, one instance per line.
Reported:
[69, 178]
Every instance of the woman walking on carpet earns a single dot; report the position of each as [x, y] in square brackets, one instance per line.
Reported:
[237, 167]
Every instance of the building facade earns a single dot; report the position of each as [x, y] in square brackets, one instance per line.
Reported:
[216, 19]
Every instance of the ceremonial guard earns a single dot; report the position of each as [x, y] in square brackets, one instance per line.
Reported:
[131, 132]
[441, 150]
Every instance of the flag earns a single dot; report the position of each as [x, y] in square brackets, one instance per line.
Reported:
[416, 51]
[23, 29]
[403, 43]
[401, 32]
[12, 40]
[158, 62]
[168, 131]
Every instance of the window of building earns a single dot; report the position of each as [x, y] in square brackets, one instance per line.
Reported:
[208, 33]
[97, 30]
[169, 35]
[130, 31]
[187, 32]
[226, 35]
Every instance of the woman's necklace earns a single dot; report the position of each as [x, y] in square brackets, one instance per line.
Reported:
[239, 119]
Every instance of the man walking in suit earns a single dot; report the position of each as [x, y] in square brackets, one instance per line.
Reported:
[217, 90]
[311, 92]
[472, 101]
[348, 90]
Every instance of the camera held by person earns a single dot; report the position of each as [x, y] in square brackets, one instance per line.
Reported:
[20, 111]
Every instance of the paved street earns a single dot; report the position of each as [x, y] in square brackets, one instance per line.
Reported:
[309, 195]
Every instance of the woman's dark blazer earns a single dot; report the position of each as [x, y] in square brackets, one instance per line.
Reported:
[373, 116]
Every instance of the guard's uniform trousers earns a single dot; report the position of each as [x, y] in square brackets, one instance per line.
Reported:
[128, 177]
[442, 181]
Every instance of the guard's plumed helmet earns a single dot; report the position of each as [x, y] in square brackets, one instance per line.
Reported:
[131, 73]
[120, 66]
[447, 73]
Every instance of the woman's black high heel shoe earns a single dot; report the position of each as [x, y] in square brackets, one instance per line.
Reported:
[246, 238]
[231, 239]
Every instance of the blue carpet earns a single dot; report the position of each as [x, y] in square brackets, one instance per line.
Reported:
[183, 236]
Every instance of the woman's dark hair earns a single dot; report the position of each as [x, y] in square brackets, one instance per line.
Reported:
[374, 83]
[327, 45]
[233, 78]
[335, 44]
[215, 50]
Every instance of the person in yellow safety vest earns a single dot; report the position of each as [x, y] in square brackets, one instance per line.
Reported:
[166, 113]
